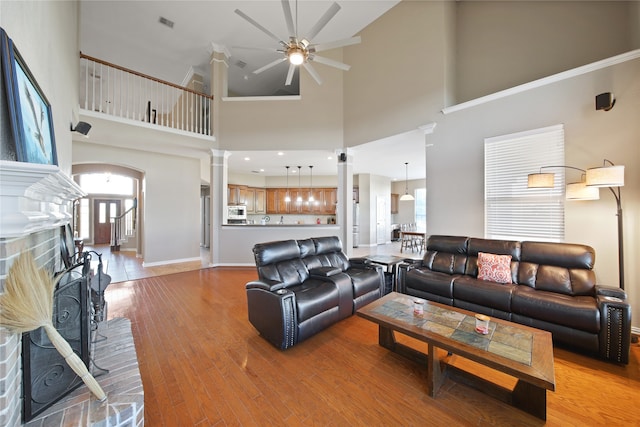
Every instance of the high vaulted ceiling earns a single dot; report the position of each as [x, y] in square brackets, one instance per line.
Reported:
[130, 34]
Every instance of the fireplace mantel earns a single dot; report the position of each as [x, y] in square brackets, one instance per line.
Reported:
[34, 197]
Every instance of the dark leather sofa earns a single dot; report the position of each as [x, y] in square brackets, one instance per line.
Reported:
[553, 288]
[304, 286]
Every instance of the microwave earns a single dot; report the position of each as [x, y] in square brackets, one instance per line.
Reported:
[237, 212]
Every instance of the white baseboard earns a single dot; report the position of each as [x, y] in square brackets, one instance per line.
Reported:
[173, 261]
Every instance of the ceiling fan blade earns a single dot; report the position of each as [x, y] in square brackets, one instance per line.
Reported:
[292, 69]
[330, 62]
[269, 65]
[286, 8]
[313, 72]
[336, 44]
[263, 49]
[324, 20]
[258, 26]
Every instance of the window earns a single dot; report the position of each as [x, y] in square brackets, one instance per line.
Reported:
[106, 183]
[421, 209]
[513, 211]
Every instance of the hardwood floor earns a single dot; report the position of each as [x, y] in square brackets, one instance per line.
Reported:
[203, 364]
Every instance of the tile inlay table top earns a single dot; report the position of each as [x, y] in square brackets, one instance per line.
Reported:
[517, 350]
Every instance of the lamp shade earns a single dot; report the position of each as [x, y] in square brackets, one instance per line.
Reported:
[540, 180]
[406, 197]
[606, 176]
[580, 191]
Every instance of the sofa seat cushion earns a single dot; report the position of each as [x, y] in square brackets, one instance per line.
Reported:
[314, 296]
[579, 312]
[482, 292]
[363, 280]
[430, 281]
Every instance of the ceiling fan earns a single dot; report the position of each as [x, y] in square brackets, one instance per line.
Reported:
[303, 51]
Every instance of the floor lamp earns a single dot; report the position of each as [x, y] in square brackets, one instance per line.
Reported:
[611, 176]
[608, 175]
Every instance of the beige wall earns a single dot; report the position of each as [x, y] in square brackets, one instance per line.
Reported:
[171, 199]
[312, 122]
[397, 80]
[51, 53]
[504, 44]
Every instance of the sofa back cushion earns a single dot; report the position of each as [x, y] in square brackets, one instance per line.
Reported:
[446, 254]
[558, 267]
[328, 251]
[496, 247]
[281, 262]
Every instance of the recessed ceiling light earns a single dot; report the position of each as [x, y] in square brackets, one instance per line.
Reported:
[280, 153]
[247, 158]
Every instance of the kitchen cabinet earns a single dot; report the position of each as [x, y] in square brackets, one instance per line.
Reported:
[256, 200]
[237, 194]
[260, 201]
[329, 200]
[394, 203]
[324, 201]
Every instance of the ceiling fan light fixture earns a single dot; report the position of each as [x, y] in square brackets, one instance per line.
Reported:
[296, 55]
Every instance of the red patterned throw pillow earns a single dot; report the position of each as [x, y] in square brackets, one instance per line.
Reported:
[494, 268]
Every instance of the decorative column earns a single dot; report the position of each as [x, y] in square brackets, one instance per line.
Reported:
[344, 210]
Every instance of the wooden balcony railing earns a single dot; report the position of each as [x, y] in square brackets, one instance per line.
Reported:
[117, 91]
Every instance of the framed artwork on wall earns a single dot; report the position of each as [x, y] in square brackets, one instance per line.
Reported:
[29, 110]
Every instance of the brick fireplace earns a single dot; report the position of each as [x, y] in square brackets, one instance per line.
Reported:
[35, 201]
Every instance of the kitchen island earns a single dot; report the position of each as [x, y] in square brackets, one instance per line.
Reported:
[235, 242]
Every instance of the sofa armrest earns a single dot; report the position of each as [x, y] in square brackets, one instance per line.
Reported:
[267, 285]
[615, 328]
[274, 315]
[359, 261]
[321, 272]
[611, 291]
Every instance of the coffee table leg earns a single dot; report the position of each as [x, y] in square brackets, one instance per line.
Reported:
[436, 373]
[530, 398]
[386, 338]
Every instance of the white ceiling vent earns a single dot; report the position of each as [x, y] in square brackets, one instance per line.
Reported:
[165, 21]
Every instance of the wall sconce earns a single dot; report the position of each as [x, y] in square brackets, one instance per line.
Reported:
[610, 176]
[82, 128]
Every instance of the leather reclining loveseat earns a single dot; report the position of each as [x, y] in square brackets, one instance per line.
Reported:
[304, 286]
[552, 287]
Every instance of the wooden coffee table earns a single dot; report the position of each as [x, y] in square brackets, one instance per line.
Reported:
[520, 351]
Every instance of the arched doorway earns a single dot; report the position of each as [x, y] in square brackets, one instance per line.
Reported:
[113, 192]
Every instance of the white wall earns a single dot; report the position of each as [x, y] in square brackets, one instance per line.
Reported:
[455, 198]
[171, 199]
[51, 53]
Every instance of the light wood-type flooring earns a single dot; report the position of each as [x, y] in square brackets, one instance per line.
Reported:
[203, 364]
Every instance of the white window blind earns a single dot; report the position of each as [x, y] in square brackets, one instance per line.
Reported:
[513, 211]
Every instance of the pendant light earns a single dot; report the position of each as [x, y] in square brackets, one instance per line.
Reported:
[299, 198]
[406, 196]
[287, 197]
[311, 200]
